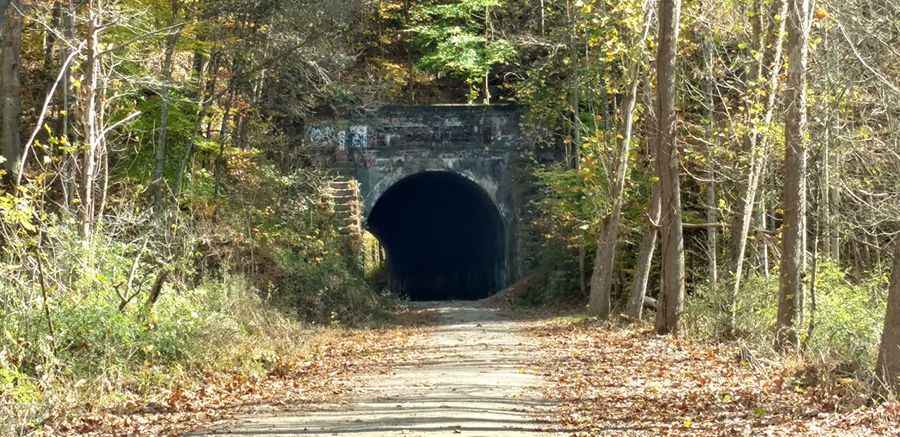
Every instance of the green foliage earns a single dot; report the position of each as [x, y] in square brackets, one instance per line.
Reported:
[17, 385]
[143, 136]
[456, 39]
[327, 290]
[757, 303]
[568, 212]
[86, 282]
[570, 204]
[283, 233]
[564, 217]
[849, 317]
[98, 350]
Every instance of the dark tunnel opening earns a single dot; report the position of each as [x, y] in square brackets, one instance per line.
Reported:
[443, 237]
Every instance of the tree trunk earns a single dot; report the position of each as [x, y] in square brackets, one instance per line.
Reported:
[240, 132]
[68, 179]
[830, 233]
[55, 108]
[762, 249]
[223, 131]
[10, 92]
[159, 168]
[50, 38]
[671, 299]
[816, 231]
[605, 260]
[758, 162]
[638, 298]
[487, 39]
[712, 207]
[835, 226]
[91, 123]
[635, 307]
[888, 367]
[793, 259]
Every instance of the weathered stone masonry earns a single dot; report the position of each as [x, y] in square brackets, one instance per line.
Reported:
[382, 147]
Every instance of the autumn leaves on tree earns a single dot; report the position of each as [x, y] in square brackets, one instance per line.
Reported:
[780, 39]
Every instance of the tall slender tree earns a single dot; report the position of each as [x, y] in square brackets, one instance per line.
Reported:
[712, 203]
[635, 307]
[91, 118]
[757, 146]
[602, 277]
[793, 261]
[169, 51]
[10, 93]
[668, 166]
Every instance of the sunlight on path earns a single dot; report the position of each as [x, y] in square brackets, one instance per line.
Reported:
[467, 376]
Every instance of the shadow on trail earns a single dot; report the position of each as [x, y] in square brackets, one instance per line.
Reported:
[469, 373]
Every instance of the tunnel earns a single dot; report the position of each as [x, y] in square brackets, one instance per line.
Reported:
[443, 236]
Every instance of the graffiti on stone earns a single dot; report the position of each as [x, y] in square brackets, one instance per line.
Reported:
[355, 137]
[359, 137]
[453, 122]
[316, 135]
[341, 140]
[326, 136]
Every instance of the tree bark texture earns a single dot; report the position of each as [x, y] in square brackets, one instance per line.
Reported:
[793, 259]
[889, 354]
[10, 91]
[671, 302]
[635, 308]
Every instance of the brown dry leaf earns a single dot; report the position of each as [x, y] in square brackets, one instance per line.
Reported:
[334, 357]
[629, 381]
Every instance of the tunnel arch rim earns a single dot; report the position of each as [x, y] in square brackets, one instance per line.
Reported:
[388, 184]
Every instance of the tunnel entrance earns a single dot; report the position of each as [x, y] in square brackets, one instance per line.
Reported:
[443, 236]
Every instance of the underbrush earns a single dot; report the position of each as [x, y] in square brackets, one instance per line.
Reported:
[227, 282]
[279, 229]
[846, 324]
[98, 354]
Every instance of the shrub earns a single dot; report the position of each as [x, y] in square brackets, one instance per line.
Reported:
[217, 326]
[270, 236]
[328, 289]
[849, 318]
[847, 321]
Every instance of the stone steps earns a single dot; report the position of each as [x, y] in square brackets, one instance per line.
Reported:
[346, 202]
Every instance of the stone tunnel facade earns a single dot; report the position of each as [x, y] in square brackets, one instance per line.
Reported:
[393, 144]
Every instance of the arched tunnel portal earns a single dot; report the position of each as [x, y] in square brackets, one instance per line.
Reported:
[443, 235]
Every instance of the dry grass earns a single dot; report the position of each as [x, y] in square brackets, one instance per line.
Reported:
[258, 357]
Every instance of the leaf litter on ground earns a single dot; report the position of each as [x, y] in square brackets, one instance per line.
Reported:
[625, 380]
[319, 373]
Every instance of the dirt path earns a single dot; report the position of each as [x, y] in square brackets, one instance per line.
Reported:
[468, 376]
